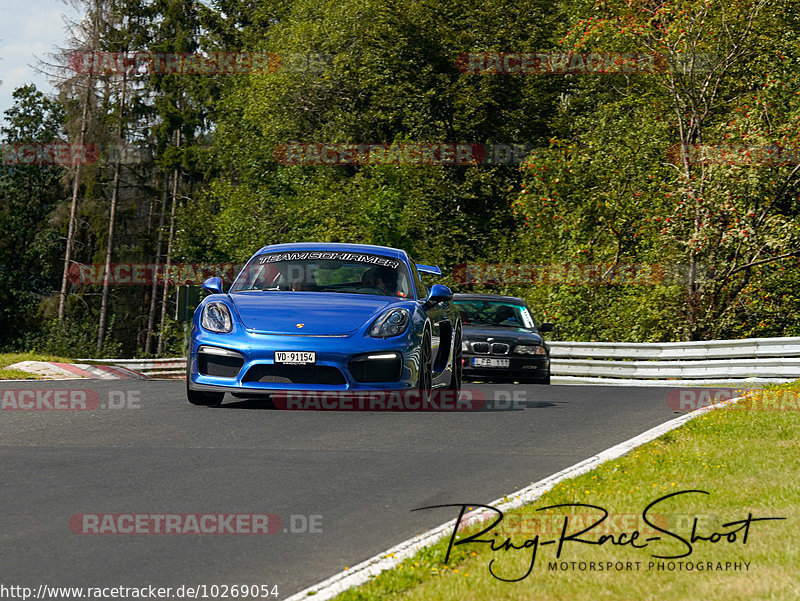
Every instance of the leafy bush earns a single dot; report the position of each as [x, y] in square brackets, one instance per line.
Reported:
[74, 337]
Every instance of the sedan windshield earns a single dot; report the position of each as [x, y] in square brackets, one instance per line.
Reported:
[325, 271]
[495, 313]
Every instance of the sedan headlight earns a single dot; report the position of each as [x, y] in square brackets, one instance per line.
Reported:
[523, 349]
[217, 318]
[392, 323]
[465, 346]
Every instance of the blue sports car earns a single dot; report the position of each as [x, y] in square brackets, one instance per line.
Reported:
[324, 317]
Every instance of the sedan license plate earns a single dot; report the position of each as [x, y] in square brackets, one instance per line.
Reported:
[489, 362]
[295, 357]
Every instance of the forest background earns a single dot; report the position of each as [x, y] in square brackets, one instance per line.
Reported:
[654, 134]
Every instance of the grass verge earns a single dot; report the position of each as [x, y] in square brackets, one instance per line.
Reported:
[7, 359]
[745, 457]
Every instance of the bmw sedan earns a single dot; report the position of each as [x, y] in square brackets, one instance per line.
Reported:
[501, 341]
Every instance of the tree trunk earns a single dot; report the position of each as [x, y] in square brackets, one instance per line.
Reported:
[76, 182]
[151, 317]
[101, 329]
[168, 262]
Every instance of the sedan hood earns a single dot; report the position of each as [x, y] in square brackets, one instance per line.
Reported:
[501, 334]
[320, 313]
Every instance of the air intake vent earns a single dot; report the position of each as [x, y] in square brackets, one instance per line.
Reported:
[295, 374]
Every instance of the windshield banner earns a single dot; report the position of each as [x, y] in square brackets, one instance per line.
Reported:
[328, 256]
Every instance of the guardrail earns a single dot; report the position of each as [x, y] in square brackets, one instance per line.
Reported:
[153, 368]
[712, 349]
[762, 359]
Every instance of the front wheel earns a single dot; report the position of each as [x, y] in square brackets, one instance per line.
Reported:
[457, 377]
[197, 397]
[425, 372]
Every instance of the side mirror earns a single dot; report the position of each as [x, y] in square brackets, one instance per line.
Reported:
[546, 327]
[438, 294]
[213, 285]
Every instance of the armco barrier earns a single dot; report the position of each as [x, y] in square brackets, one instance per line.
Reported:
[700, 363]
[750, 348]
[714, 361]
[153, 368]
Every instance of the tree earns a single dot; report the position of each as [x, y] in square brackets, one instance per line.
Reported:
[387, 74]
[627, 179]
[28, 193]
[90, 44]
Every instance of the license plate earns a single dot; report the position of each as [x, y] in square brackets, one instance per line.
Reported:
[489, 362]
[295, 357]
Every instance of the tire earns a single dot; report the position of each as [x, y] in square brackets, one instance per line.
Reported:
[457, 377]
[425, 373]
[196, 397]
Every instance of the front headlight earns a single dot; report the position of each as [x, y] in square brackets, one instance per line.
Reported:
[216, 318]
[465, 346]
[529, 350]
[392, 323]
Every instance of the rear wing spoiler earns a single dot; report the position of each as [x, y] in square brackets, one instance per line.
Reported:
[429, 269]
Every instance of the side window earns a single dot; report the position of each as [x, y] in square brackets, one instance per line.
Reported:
[527, 319]
[422, 290]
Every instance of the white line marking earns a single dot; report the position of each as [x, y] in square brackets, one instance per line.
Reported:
[361, 573]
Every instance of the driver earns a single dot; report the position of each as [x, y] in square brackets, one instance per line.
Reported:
[380, 278]
[505, 315]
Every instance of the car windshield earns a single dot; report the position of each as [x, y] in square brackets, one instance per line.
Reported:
[325, 271]
[495, 313]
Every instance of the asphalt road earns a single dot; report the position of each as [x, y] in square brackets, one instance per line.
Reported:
[362, 472]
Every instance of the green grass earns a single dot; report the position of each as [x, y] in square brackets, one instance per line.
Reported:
[7, 359]
[745, 457]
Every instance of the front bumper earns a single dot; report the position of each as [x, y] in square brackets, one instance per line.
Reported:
[521, 367]
[334, 368]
